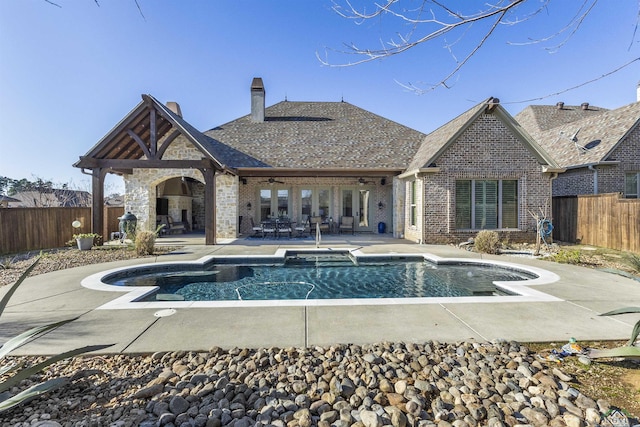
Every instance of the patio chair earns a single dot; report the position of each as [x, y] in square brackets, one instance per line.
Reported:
[268, 228]
[346, 224]
[301, 228]
[284, 228]
[257, 229]
[315, 222]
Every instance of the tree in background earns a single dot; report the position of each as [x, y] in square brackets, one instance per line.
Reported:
[462, 27]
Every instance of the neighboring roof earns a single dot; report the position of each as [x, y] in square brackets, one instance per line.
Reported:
[7, 199]
[590, 140]
[539, 118]
[54, 198]
[437, 142]
[319, 135]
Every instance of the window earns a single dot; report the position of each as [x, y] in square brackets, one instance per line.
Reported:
[632, 185]
[413, 196]
[315, 202]
[306, 203]
[265, 204]
[486, 204]
[273, 202]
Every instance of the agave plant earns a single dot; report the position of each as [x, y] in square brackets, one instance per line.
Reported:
[21, 372]
[628, 350]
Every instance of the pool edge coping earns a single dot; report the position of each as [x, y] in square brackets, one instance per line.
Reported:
[128, 300]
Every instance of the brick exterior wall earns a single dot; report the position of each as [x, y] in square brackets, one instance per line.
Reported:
[610, 178]
[486, 150]
[249, 193]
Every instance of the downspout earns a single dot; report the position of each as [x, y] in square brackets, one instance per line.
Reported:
[595, 178]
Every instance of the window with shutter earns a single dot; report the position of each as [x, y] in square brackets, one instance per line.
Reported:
[486, 204]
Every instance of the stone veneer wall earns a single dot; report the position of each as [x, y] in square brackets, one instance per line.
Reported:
[610, 177]
[249, 193]
[226, 206]
[140, 190]
[486, 150]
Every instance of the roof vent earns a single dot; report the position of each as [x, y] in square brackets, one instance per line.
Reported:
[257, 100]
[584, 106]
[175, 107]
[560, 105]
[492, 103]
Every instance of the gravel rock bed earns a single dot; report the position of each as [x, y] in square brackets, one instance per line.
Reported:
[399, 384]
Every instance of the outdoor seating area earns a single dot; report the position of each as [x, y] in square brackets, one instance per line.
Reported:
[284, 228]
[277, 228]
[170, 226]
[346, 225]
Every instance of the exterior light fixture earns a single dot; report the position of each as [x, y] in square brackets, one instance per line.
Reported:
[380, 205]
[249, 206]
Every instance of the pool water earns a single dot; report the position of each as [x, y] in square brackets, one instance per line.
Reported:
[336, 277]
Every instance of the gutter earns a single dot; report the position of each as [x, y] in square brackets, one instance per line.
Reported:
[588, 165]
[416, 172]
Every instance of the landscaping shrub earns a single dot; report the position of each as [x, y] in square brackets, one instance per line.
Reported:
[567, 257]
[145, 242]
[487, 242]
[633, 260]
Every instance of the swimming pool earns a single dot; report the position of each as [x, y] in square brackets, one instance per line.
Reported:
[324, 276]
[318, 277]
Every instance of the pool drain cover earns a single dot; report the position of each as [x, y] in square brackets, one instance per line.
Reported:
[165, 313]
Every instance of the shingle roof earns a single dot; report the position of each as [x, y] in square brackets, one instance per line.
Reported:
[595, 136]
[318, 135]
[224, 154]
[539, 118]
[437, 141]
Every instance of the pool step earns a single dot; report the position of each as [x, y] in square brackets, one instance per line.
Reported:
[339, 259]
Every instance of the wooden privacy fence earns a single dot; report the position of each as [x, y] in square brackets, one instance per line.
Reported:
[605, 220]
[27, 229]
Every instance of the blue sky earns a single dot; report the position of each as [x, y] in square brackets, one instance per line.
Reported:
[68, 74]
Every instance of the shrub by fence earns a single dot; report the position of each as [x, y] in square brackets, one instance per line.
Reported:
[26, 229]
[605, 220]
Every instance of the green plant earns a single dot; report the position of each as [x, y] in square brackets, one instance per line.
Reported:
[145, 242]
[628, 350]
[96, 237]
[19, 371]
[5, 263]
[633, 260]
[567, 257]
[487, 241]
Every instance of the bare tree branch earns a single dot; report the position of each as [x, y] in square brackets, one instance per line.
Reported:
[574, 24]
[404, 43]
[436, 19]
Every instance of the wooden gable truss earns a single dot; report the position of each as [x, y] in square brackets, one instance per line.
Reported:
[139, 141]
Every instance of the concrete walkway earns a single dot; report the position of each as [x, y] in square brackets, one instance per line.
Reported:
[582, 293]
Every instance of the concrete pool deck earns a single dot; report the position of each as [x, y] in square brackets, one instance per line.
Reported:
[583, 294]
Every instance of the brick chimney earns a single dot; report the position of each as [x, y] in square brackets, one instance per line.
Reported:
[257, 100]
[175, 107]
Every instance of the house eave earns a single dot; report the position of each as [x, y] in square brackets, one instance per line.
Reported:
[587, 165]
[549, 169]
[418, 171]
[317, 172]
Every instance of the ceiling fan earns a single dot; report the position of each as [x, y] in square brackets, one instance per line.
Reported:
[273, 181]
